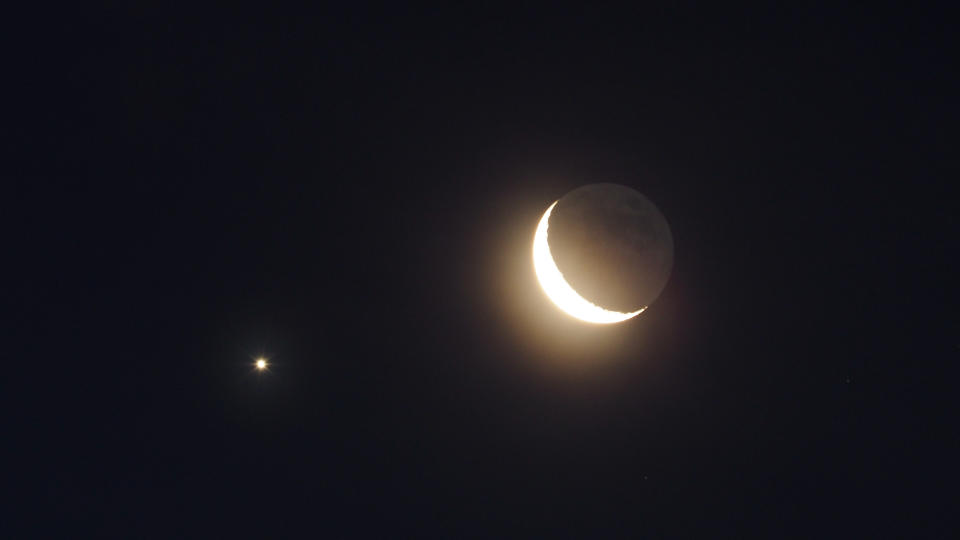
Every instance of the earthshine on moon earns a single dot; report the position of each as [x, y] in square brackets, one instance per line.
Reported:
[609, 242]
[557, 289]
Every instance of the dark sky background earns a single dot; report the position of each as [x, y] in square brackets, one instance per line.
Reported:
[353, 193]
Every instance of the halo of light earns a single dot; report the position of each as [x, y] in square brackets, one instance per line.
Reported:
[559, 291]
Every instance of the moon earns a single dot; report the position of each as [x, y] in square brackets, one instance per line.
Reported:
[602, 253]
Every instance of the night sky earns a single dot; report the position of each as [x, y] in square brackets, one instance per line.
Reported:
[352, 193]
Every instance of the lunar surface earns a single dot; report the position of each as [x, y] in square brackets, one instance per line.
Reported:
[603, 253]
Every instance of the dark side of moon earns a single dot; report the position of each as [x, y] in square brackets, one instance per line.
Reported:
[612, 245]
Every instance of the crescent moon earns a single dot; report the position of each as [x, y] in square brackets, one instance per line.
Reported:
[559, 291]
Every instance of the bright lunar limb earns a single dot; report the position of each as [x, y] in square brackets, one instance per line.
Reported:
[557, 288]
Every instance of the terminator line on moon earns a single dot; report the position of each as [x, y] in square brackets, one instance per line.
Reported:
[603, 253]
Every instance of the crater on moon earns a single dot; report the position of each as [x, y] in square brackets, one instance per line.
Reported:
[612, 245]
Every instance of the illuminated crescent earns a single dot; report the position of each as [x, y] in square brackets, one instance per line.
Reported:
[559, 291]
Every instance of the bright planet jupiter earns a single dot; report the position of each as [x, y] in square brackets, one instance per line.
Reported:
[603, 253]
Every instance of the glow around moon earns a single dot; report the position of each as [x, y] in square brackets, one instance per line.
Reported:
[559, 291]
